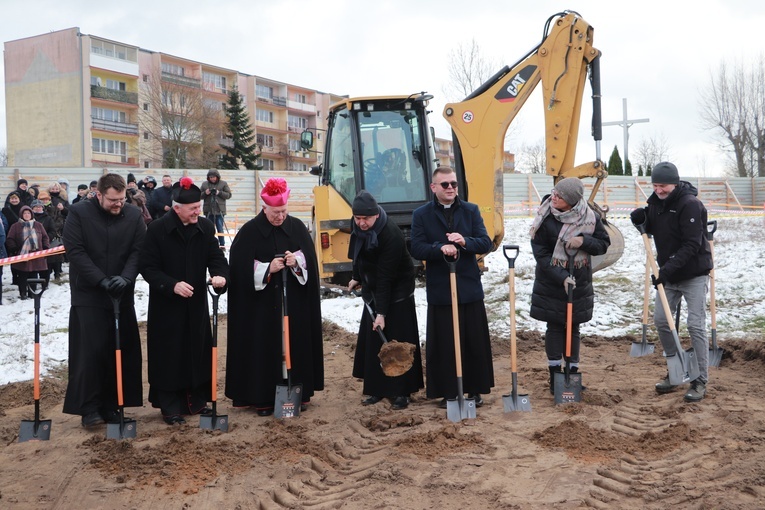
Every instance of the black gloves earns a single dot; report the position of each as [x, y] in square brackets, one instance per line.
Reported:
[114, 285]
[657, 281]
[638, 216]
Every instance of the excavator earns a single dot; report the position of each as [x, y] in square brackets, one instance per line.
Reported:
[386, 146]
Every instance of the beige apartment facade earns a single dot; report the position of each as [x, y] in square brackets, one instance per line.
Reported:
[77, 100]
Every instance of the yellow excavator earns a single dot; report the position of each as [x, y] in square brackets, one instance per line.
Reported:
[386, 146]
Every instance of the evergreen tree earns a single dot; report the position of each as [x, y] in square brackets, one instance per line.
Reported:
[615, 163]
[640, 170]
[648, 171]
[240, 132]
[627, 168]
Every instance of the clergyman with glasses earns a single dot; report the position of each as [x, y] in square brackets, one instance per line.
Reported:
[103, 239]
[445, 229]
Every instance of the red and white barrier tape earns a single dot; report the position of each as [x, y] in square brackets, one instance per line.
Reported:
[31, 256]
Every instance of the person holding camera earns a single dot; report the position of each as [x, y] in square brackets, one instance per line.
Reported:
[215, 192]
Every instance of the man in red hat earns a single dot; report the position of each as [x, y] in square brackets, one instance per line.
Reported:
[180, 248]
[272, 242]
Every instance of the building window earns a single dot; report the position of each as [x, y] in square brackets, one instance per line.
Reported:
[268, 164]
[146, 107]
[173, 69]
[264, 91]
[103, 146]
[113, 50]
[300, 98]
[297, 122]
[264, 115]
[146, 164]
[214, 82]
[295, 145]
[106, 114]
[265, 140]
[116, 85]
[145, 135]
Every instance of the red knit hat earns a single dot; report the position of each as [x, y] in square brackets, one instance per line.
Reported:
[275, 192]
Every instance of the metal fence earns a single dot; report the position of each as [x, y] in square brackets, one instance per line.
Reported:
[522, 192]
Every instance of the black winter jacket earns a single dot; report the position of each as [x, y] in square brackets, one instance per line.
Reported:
[548, 298]
[679, 226]
[386, 272]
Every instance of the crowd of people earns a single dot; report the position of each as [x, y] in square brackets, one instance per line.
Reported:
[116, 229]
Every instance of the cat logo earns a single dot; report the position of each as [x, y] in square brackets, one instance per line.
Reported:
[510, 91]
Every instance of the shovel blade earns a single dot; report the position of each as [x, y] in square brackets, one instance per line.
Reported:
[683, 367]
[32, 430]
[715, 353]
[644, 347]
[287, 401]
[458, 409]
[217, 422]
[124, 430]
[516, 403]
[567, 393]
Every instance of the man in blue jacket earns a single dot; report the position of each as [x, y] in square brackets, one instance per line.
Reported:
[445, 228]
[678, 222]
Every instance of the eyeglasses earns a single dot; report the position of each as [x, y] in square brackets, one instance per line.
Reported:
[115, 200]
[446, 185]
[554, 193]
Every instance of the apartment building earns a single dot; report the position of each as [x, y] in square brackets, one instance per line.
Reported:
[445, 155]
[80, 100]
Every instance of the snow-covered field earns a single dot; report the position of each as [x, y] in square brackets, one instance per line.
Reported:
[740, 275]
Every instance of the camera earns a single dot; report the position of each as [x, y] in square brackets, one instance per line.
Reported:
[213, 191]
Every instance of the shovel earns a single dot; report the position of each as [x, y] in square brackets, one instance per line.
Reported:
[715, 353]
[568, 386]
[288, 397]
[214, 421]
[37, 429]
[460, 408]
[644, 348]
[513, 402]
[682, 367]
[396, 358]
[126, 428]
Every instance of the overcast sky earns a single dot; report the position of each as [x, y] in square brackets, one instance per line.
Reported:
[659, 54]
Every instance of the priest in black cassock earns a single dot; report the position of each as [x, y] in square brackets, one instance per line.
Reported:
[179, 250]
[254, 357]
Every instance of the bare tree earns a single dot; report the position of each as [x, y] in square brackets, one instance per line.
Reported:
[651, 150]
[726, 106]
[467, 70]
[184, 128]
[531, 158]
[756, 130]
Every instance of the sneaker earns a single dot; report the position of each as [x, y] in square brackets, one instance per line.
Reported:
[696, 392]
[92, 419]
[477, 398]
[664, 386]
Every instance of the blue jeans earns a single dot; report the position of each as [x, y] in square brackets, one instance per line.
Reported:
[218, 220]
[694, 290]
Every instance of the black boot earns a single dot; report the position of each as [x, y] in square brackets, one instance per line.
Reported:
[553, 371]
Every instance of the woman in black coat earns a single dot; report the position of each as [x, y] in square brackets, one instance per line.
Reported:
[565, 225]
[383, 267]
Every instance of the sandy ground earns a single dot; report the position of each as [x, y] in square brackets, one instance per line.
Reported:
[623, 446]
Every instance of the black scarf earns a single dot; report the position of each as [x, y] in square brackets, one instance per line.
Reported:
[366, 239]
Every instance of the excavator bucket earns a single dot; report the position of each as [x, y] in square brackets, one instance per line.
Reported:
[614, 252]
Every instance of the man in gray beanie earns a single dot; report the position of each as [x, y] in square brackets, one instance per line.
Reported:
[678, 222]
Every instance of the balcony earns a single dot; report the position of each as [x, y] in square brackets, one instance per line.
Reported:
[113, 95]
[276, 100]
[115, 127]
[183, 81]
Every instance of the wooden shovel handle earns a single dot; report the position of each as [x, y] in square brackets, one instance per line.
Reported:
[660, 287]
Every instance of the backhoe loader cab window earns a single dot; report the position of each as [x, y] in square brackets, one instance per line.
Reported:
[339, 162]
[391, 149]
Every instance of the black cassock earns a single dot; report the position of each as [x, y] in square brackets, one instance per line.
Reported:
[254, 357]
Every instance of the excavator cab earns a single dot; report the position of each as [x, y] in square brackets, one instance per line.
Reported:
[382, 145]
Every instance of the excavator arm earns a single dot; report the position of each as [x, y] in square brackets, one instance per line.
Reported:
[479, 123]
